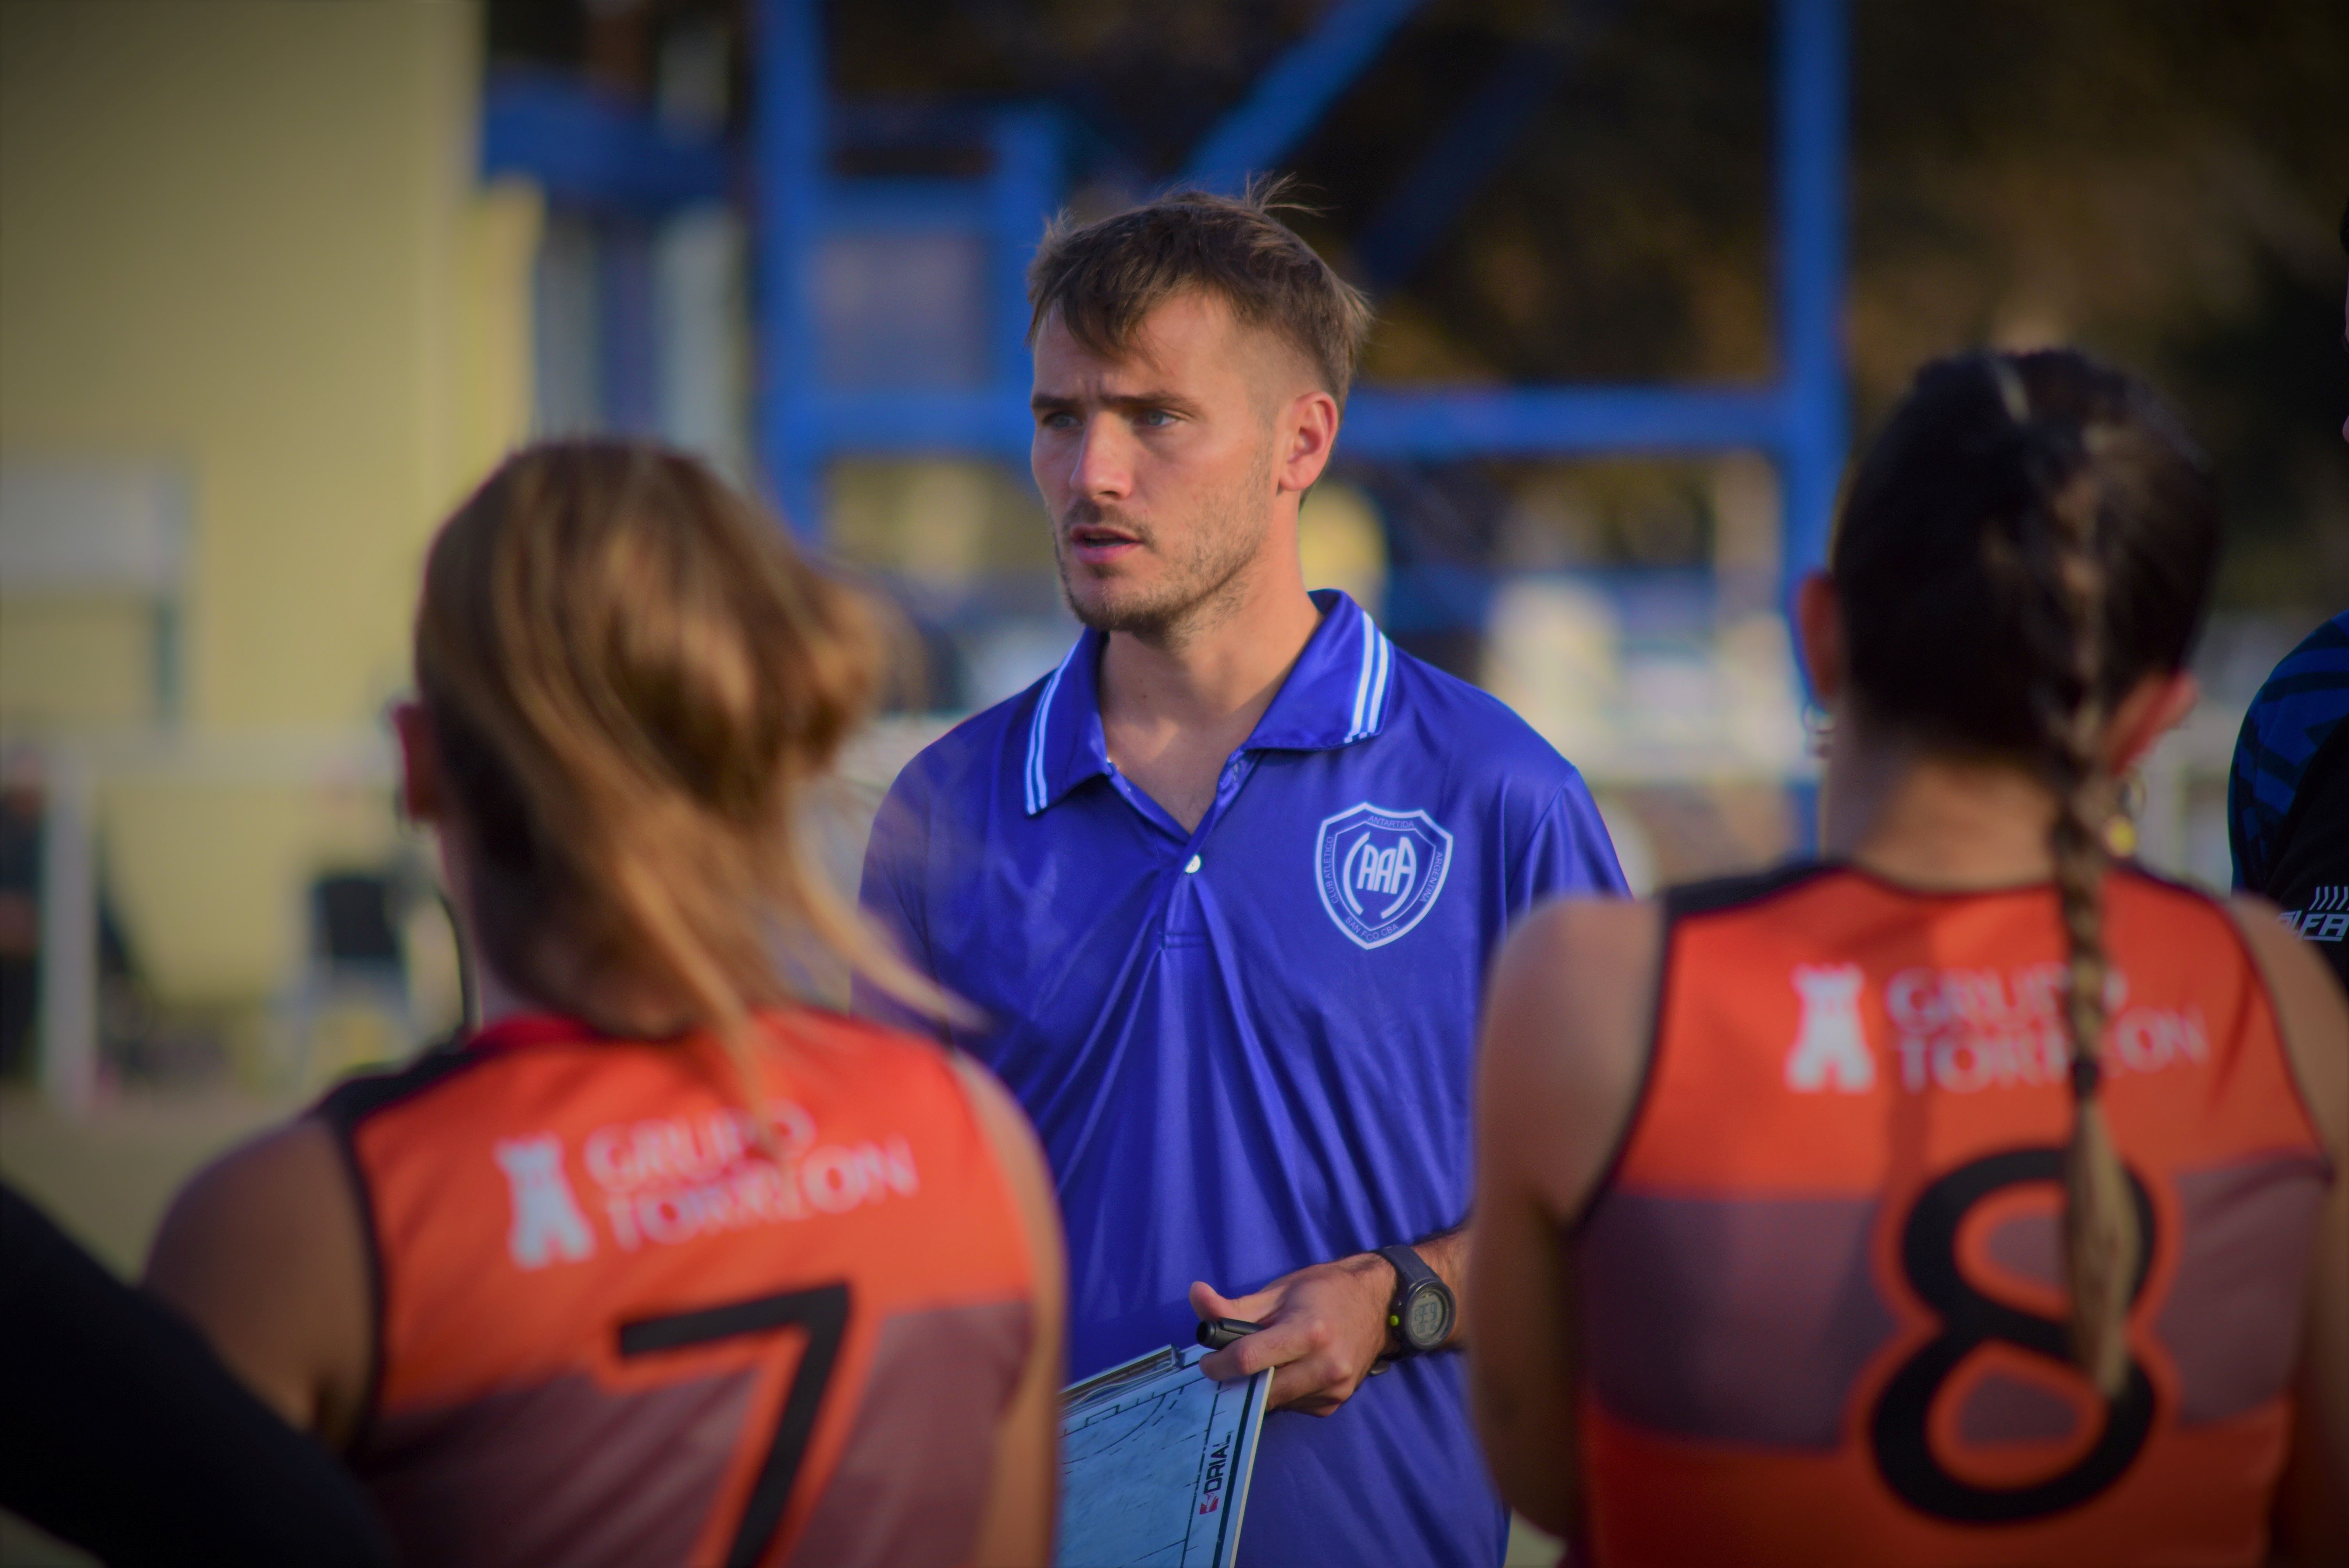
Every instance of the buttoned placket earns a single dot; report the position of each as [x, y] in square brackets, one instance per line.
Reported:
[1344, 676]
[1179, 924]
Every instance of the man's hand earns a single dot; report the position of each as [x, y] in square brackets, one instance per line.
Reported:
[1324, 1328]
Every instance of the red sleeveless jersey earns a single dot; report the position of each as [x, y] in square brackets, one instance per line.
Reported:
[612, 1329]
[1823, 1308]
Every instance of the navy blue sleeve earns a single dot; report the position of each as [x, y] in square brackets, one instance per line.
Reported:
[1569, 852]
[2242, 830]
[121, 1432]
[2298, 708]
[890, 892]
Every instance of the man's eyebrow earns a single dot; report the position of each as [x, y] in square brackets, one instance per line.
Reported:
[1150, 400]
[1124, 400]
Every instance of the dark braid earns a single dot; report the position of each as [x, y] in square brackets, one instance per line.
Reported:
[2061, 548]
[2030, 537]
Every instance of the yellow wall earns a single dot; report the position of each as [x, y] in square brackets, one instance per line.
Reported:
[87, 657]
[231, 234]
[245, 238]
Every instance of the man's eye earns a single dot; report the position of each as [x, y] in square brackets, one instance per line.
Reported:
[1153, 418]
[1059, 419]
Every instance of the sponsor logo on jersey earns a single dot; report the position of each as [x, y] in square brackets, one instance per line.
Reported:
[1380, 871]
[546, 1218]
[2326, 918]
[1829, 1045]
[667, 1179]
[1965, 1030]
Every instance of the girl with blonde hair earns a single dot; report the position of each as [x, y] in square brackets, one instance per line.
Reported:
[658, 1263]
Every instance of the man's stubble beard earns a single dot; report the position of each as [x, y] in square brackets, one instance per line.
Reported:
[1203, 587]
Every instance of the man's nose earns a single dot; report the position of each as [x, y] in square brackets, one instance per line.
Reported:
[1102, 465]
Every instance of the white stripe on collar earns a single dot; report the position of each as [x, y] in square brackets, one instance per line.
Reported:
[1037, 793]
[1370, 684]
[1362, 679]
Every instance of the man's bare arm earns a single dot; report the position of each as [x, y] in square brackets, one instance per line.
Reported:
[1325, 1327]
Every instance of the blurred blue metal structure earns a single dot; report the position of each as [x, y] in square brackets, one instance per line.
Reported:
[799, 203]
[1445, 178]
[1800, 420]
[584, 150]
[1813, 73]
[1290, 99]
[789, 154]
[585, 147]
[595, 155]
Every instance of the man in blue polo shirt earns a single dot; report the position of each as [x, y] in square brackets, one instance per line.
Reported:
[1225, 882]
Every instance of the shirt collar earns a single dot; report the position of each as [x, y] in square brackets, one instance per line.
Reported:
[1336, 693]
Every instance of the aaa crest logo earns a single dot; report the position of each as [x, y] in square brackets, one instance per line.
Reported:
[1380, 871]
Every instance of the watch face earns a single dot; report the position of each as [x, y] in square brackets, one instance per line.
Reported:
[1425, 1319]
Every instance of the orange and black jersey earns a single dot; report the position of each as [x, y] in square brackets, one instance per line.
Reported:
[1821, 1287]
[618, 1322]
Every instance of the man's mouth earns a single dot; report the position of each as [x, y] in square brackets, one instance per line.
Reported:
[1099, 544]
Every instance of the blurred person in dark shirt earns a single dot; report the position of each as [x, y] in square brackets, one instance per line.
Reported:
[2287, 792]
[121, 1433]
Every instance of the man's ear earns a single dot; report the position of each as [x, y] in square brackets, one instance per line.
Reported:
[1308, 431]
[2157, 705]
[423, 789]
[1818, 623]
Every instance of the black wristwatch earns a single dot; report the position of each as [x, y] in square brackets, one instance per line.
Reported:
[1420, 1318]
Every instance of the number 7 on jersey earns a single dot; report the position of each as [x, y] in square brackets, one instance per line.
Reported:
[822, 1311]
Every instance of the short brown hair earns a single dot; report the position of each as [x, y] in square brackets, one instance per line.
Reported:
[1104, 277]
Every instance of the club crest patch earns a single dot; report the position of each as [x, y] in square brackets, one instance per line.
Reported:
[1380, 871]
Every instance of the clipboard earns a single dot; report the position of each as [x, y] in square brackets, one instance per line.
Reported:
[1156, 1458]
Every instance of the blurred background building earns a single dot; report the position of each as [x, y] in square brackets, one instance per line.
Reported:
[279, 280]
[260, 321]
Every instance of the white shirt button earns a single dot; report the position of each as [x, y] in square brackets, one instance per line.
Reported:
[1193, 864]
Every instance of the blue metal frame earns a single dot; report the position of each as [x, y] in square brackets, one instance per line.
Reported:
[1814, 71]
[584, 149]
[589, 152]
[1800, 420]
[787, 205]
[797, 200]
[1441, 183]
[1291, 97]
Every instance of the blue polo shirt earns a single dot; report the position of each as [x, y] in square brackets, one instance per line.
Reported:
[1248, 1047]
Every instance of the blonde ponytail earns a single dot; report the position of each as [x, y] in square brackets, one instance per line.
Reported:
[635, 678]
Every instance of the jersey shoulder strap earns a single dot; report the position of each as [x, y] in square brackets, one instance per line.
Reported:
[1735, 892]
[362, 1095]
[344, 1110]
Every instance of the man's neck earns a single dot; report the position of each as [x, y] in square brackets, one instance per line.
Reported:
[1202, 679]
[1173, 708]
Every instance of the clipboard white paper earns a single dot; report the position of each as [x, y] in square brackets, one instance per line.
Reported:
[1154, 1464]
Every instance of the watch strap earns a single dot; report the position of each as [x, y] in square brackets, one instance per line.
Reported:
[1411, 1273]
[1410, 1268]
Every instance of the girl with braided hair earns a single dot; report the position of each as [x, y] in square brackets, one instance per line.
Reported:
[1966, 1196]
